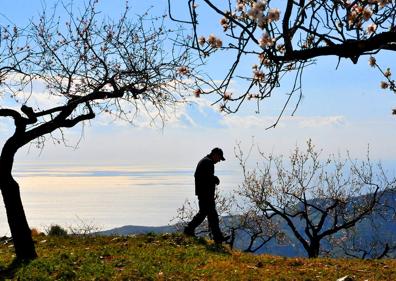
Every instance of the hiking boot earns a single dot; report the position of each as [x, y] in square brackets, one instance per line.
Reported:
[221, 239]
[189, 232]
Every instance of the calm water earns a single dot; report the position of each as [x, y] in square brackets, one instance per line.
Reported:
[104, 196]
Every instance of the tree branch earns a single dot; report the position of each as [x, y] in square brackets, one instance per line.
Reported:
[352, 49]
[5, 112]
[29, 113]
[69, 123]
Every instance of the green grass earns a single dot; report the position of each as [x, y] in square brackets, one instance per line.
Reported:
[175, 257]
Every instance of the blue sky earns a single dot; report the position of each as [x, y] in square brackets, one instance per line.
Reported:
[341, 110]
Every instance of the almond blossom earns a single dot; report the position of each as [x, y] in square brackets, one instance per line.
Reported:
[201, 41]
[384, 85]
[262, 22]
[371, 28]
[372, 61]
[273, 15]
[224, 23]
[387, 73]
[212, 40]
[367, 13]
[227, 96]
[266, 40]
[264, 60]
[258, 75]
[240, 7]
[197, 93]
[254, 13]
[260, 5]
[218, 43]
[183, 70]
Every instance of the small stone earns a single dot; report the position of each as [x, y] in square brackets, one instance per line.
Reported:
[346, 278]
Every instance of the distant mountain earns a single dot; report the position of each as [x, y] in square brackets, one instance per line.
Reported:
[135, 229]
[372, 234]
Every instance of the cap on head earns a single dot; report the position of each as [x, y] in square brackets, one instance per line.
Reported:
[219, 152]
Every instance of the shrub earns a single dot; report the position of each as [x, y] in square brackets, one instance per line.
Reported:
[56, 230]
[35, 232]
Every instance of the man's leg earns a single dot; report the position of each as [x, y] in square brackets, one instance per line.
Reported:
[198, 218]
[213, 220]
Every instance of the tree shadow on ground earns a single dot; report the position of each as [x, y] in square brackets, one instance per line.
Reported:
[9, 271]
[213, 247]
[183, 240]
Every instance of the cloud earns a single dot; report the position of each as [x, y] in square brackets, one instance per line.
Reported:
[257, 121]
[320, 121]
[248, 122]
[200, 113]
[195, 113]
[203, 115]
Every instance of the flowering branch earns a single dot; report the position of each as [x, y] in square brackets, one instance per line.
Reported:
[286, 37]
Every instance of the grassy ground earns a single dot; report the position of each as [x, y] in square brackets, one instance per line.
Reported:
[174, 257]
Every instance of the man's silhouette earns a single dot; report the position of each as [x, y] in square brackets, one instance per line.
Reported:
[205, 184]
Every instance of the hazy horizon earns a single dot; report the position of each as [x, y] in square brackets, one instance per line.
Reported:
[104, 196]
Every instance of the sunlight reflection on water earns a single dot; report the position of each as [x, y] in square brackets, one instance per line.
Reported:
[105, 197]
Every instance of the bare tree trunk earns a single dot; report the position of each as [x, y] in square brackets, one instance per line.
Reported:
[20, 231]
[313, 250]
[232, 239]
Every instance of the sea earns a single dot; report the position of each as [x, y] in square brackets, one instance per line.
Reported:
[105, 197]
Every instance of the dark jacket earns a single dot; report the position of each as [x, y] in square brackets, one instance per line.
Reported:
[205, 180]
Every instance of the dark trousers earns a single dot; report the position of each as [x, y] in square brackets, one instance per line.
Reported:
[207, 208]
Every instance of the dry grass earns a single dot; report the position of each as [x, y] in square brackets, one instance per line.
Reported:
[175, 257]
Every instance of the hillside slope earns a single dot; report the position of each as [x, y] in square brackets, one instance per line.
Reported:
[174, 257]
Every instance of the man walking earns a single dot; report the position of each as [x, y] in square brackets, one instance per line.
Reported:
[205, 184]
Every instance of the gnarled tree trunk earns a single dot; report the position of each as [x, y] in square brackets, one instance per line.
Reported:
[314, 249]
[20, 231]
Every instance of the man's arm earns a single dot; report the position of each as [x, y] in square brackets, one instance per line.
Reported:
[216, 180]
[205, 173]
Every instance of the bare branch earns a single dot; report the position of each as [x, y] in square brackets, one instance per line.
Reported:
[284, 38]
